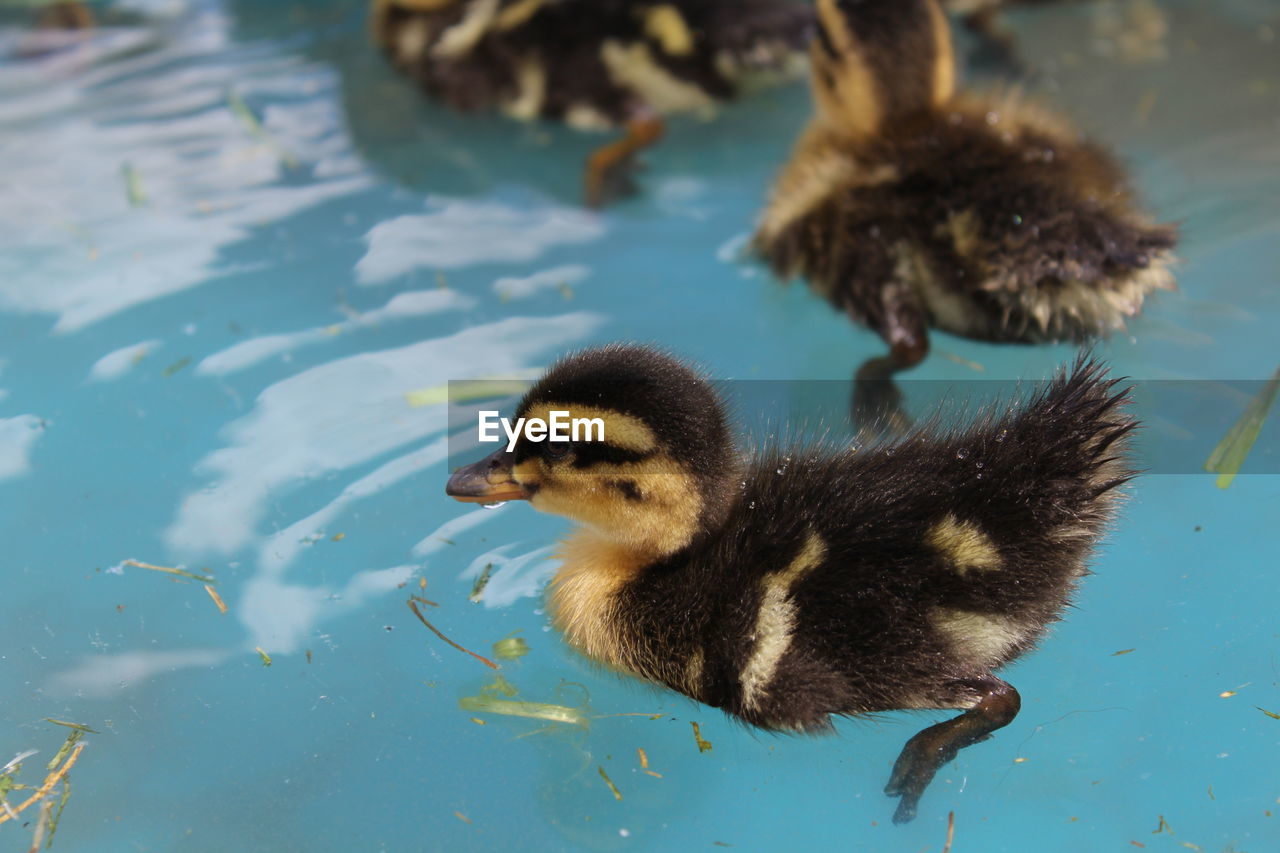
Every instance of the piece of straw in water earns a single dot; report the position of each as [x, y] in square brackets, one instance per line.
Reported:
[37, 837]
[77, 726]
[511, 648]
[533, 710]
[217, 599]
[413, 605]
[644, 758]
[703, 745]
[460, 816]
[337, 537]
[477, 589]
[617, 795]
[176, 366]
[169, 570]
[266, 658]
[1272, 714]
[1228, 457]
[1162, 826]
[1122, 652]
[951, 832]
[48, 785]
[962, 361]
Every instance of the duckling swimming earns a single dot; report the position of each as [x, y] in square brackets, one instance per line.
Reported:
[908, 205]
[593, 64]
[800, 583]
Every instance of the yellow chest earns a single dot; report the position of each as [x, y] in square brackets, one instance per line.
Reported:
[583, 597]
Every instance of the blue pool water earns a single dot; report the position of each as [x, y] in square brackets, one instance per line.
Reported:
[210, 337]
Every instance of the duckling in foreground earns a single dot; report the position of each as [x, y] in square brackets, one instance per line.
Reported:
[908, 205]
[805, 582]
[593, 64]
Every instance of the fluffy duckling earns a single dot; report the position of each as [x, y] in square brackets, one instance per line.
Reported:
[801, 583]
[909, 206]
[593, 64]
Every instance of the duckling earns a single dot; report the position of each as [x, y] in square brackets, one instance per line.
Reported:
[592, 64]
[802, 583]
[908, 205]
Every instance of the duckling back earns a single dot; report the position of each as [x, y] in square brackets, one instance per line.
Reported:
[591, 63]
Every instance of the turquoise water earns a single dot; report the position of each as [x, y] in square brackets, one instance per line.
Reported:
[207, 336]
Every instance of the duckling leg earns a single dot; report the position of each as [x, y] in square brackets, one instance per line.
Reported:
[608, 167]
[938, 744]
[877, 400]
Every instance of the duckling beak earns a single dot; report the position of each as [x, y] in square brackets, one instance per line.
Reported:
[486, 481]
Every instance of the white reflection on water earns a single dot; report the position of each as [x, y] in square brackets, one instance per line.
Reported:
[418, 303]
[99, 676]
[460, 233]
[344, 413]
[17, 437]
[87, 241]
[118, 362]
[552, 279]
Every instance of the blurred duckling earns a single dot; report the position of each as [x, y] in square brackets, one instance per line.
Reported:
[592, 64]
[804, 582]
[908, 205]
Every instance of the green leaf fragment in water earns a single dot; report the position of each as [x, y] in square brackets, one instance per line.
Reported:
[703, 744]
[1272, 714]
[477, 589]
[1229, 455]
[499, 687]
[133, 186]
[532, 710]
[511, 648]
[66, 748]
[78, 726]
[176, 366]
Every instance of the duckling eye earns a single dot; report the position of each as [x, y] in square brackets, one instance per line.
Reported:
[557, 449]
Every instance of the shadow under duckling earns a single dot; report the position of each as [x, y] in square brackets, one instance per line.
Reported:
[800, 583]
[908, 205]
[594, 65]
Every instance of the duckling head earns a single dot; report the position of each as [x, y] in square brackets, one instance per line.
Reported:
[876, 60]
[651, 468]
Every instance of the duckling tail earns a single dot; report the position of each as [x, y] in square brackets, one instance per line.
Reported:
[1085, 432]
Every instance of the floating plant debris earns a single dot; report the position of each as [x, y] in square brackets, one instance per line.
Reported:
[471, 391]
[413, 605]
[266, 658]
[1162, 826]
[1122, 652]
[951, 832]
[176, 366]
[133, 186]
[1272, 714]
[617, 795]
[703, 745]
[169, 570]
[499, 687]
[511, 648]
[241, 111]
[644, 758]
[460, 816]
[80, 727]
[477, 589]
[217, 599]
[58, 768]
[337, 537]
[533, 710]
[1228, 457]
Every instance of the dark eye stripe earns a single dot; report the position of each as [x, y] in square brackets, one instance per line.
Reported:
[588, 453]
